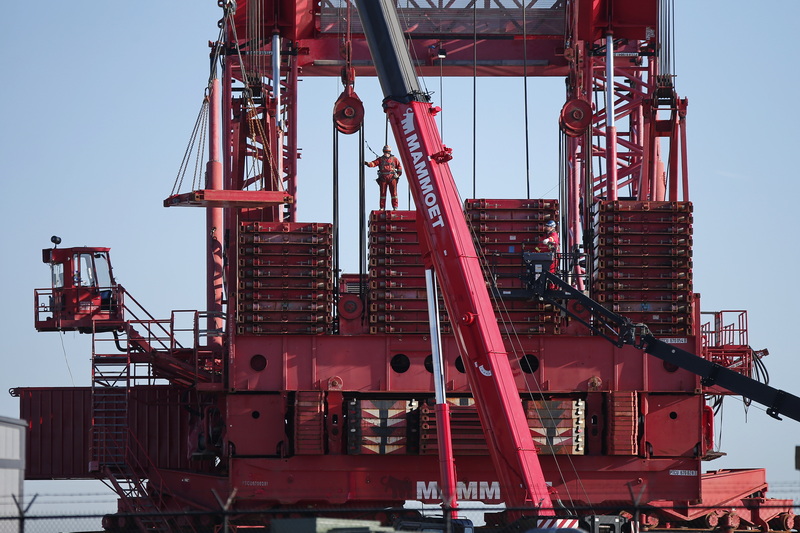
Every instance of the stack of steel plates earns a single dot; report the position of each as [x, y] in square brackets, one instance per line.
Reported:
[285, 279]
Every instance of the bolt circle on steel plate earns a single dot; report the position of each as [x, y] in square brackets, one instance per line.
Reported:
[350, 306]
[575, 117]
[348, 113]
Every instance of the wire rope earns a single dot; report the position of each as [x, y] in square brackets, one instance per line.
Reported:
[474, 98]
[502, 309]
[362, 227]
[411, 50]
[66, 360]
[666, 67]
[197, 131]
[517, 350]
[525, 100]
[503, 313]
[250, 106]
[595, 154]
[200, 158]
[441, 99]
[335, 209]
[672, 35]
[199, 128]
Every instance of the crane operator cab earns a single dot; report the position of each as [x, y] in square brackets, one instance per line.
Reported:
[84, 296]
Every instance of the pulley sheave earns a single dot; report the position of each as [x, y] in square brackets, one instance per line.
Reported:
[348, 112]
[575, 117]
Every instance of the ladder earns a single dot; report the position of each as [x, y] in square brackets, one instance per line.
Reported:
[115, 369]
[111, 376]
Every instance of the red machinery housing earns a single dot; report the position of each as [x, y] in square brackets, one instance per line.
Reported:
[83, 296]
[300, 386]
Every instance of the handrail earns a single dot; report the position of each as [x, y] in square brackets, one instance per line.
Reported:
[717, 333]
[167, 332]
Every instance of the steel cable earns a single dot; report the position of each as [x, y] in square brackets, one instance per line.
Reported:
[474, 98]
[517, 350]
[199, 126]
[525, 101]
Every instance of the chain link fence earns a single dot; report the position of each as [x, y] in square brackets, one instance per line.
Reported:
[298, 521]
[414, 517]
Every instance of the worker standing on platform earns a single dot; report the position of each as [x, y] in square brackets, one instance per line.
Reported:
[550, 243]
[389, 171]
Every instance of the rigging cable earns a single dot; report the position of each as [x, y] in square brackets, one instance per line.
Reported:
[441, 100]
[335, 223]
[563, 192]
[503, 314]
[598, 157]
[199, 131]
[216, 55]
[517, 350]
[250, 105]
[474, 98]
[362, 227]
[66, 360]
[525, 97]
[666, 67]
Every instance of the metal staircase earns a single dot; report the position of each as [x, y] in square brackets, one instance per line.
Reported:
[111, 376]
[114, 372]
[141, 350]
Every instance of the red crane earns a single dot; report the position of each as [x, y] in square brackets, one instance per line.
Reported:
[295, 370]
[447, 246]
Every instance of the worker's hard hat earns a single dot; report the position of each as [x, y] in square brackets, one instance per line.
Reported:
[387, 148]
[550, 224]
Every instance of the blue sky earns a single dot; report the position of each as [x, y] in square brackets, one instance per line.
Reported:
[98, 100]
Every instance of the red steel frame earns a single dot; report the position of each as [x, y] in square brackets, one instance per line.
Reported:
[271, 377]
[629, 162]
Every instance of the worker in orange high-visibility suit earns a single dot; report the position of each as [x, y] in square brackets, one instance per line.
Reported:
[550, 243]
[389, 170]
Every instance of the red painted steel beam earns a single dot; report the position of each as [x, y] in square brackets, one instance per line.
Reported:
[495, 39]
[495, 57]
[229, 198]
[628, 19]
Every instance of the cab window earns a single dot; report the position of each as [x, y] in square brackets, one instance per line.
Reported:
[57, 272]
[103, 269]
[84, 271]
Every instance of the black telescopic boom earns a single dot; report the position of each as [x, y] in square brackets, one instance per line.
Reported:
[619, 330]
[389, 51]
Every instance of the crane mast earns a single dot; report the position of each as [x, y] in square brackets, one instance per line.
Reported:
[448, 248]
